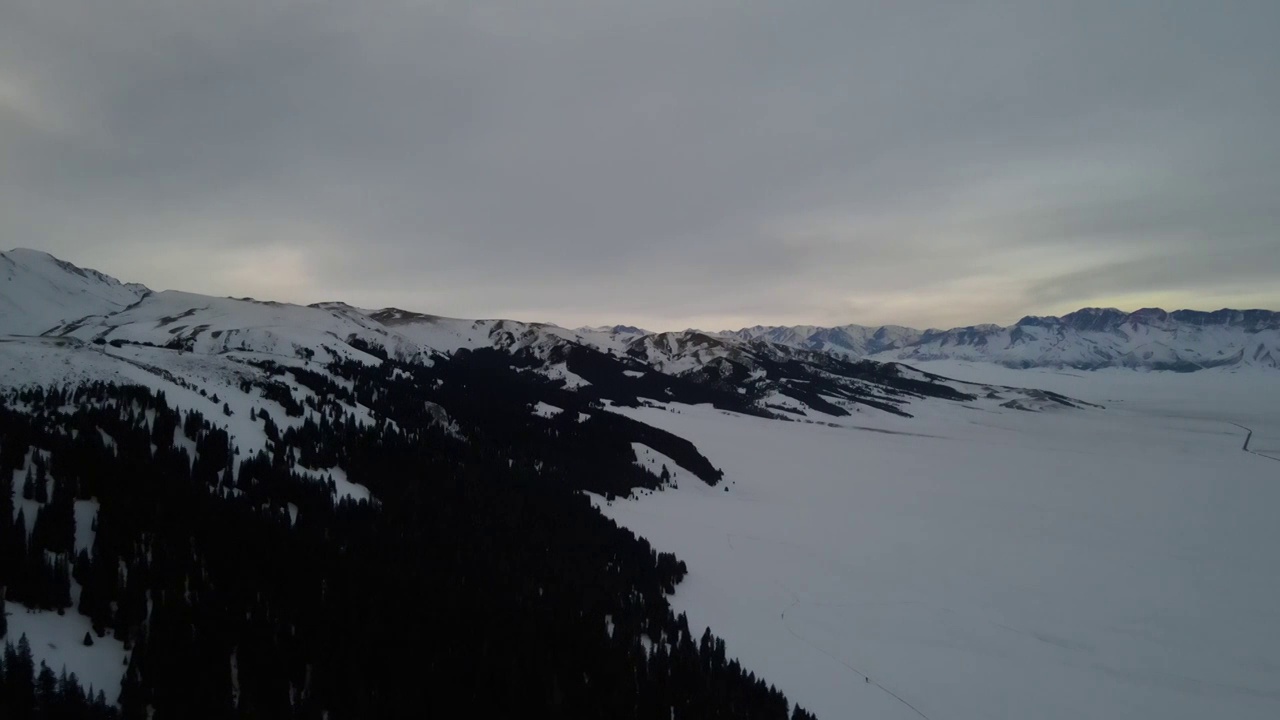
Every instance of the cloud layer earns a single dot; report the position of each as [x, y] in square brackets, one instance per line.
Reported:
[700, 162]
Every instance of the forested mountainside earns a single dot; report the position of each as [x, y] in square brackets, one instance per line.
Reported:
[445, 575]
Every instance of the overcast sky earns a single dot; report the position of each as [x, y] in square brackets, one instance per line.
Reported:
[667, 163]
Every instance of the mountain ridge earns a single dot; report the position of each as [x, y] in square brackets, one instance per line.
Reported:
[57, 297]
[40, 292]
[1086, 339]
[172, 332]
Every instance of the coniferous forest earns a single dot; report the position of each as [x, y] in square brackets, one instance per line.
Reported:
[478, 578]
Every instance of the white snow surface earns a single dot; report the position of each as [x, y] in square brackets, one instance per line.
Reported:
[86, 511]
[345, 488]
[561, 371]
[58, 641]
[654, 462]
[546, 410]
[994, 563]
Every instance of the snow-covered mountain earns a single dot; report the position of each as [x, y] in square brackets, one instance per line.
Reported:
[1088, 339]
[849, 340]
[42, 295]
[211, 343]
[39, 292]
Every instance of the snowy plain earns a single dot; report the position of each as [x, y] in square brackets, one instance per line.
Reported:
[978, 563]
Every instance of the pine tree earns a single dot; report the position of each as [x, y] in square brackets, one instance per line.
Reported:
[19, 667]
[801, 714]
[82, 568]
[132, 692]
[61, 586]
[46, 689]
[70, 695]
[42, 485]
[6, 499]
[3, 683]
[17, 551]
[8, 666]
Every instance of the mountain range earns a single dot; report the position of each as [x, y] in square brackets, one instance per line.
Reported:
[1087, 339]
[61, 323]
[42, 295]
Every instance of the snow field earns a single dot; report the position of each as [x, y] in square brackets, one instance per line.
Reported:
[995, 563]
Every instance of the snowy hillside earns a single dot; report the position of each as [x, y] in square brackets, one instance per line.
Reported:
[39, 292]
[215, 326]
[1089, 339]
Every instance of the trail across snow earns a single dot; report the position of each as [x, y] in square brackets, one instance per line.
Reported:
[1247, 438]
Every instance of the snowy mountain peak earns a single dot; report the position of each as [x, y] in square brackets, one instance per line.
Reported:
[614, 330]
[39, 292]
[393, 315]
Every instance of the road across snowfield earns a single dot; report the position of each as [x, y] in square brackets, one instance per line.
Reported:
[1083, 563]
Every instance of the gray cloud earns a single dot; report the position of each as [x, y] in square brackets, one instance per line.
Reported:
[701, 162]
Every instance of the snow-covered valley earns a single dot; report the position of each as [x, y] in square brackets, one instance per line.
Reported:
[977, 563]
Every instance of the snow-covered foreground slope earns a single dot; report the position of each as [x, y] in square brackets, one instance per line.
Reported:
[991, 563]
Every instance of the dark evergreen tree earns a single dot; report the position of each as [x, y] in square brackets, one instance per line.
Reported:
[46, 690]
[19, 693]
[41, 485]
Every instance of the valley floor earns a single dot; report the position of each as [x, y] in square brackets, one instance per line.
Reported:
[978, 563]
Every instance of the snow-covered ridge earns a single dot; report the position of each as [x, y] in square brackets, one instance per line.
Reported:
[209, 343]
[1087, 339]
[39, 292]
